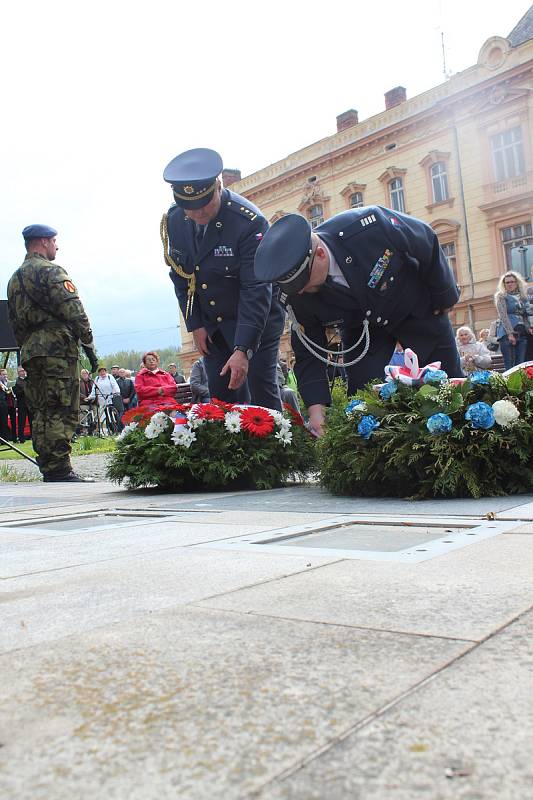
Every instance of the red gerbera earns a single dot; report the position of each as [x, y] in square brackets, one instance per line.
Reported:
[529, 372]
[222, 404]
[208, 411]
[296, 417]
[256, 421]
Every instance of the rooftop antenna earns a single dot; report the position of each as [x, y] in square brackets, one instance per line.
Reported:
[444, 70]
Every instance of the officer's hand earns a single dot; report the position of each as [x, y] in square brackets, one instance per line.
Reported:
[317, 420]
[201, 340]
[91, 355]
[238, 364]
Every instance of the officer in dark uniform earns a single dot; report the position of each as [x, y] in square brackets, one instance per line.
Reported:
[210, 237]
[49, 322]
[377, 274]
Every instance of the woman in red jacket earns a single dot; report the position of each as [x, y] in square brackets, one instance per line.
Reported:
[154, 386]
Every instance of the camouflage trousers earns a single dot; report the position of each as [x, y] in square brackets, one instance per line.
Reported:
[53, 397]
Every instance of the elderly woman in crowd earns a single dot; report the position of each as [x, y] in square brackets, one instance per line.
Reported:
[511, 301]
[474, 355]
[153, 385]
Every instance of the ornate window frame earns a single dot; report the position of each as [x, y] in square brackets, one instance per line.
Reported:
[427, 163]
[350, 189]
[390, 174]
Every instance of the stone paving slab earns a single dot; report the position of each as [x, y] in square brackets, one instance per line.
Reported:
[465, 735]
[464, 594]
[51, 604]
[192, 703]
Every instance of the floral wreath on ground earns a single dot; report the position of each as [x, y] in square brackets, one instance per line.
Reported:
[433, 437]
[211, 445]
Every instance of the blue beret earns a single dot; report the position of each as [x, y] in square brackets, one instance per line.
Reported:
[38, 232]
[284, 254]
[193, 176]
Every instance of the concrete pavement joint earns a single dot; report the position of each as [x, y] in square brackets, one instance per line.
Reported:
[380, 712]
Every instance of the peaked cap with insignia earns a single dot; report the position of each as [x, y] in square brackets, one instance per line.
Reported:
[193, 176]
[284, 254]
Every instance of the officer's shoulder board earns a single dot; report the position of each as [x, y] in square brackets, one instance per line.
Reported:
[241, 206]
[369, 220]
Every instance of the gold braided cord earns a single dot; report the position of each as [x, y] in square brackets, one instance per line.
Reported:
[192, 196]
[169, 261]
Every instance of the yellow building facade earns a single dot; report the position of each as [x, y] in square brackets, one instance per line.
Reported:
[459, 156]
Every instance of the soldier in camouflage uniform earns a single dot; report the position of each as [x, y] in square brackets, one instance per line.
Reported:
[49, 321]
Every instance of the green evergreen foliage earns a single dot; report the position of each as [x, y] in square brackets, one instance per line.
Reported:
[401, 458]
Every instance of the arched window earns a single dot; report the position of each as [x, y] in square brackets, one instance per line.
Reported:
[356, 200]
[315, 215]
[439, 182]
[396, 195]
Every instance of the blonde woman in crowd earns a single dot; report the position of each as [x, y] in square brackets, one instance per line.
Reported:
[474, 355]
[511, 302]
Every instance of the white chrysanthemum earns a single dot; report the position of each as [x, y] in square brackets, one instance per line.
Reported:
[284, 436]
[151, 431]
[505, 412]
[127, 429]
[183, 436]
[285, 424]
[232, 421]
[277, 416]
[160, 418]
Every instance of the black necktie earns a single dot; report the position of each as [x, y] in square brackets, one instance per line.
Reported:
[198, 236]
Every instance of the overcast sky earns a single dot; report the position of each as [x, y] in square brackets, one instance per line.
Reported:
[98, 97]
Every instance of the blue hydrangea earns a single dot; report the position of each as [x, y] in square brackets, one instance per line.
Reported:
[367, 426]
[435, 376]
[481, 376]
[480, 415]
[439, 423]
[387, 390]
[355, 405]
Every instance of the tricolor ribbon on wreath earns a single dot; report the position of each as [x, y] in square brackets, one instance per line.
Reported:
[410, 374]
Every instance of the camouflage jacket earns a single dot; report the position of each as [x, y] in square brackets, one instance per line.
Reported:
[48, 318]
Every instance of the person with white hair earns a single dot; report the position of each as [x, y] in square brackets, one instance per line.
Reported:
[474, 355]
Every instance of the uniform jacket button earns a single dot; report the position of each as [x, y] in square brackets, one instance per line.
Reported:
[218, 225]
[197, 268]
[378, 319]
[341, 233]
[212, 303]
[385, 321]
[349, 260]
[219, 319]
[204, 285]
[368, 313]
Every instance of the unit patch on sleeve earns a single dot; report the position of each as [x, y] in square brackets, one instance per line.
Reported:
[69, 286]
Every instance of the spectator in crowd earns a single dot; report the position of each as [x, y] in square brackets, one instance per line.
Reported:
[473, 355]
[154, 386]
[511, 301]
[105, 388]
[127, 389]
[87, 421]
[198, 381]
[115, 369]
[483, 336]
[8, 409]
[23, 412]
[173, 370]
[529, 312]
[129, 374]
